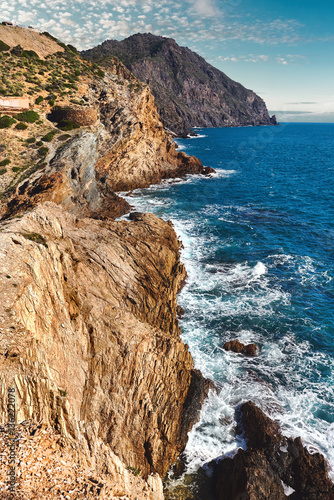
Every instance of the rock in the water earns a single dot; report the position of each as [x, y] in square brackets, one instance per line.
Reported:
[269, 461]
[208, 171]
[239, 347]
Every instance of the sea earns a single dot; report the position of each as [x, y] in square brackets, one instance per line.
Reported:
[258, 240]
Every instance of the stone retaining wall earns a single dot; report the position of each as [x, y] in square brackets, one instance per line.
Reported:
[81, 116]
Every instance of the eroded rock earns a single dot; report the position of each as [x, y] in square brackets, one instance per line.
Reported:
[239, 347]
[270, 461]
[93, 322]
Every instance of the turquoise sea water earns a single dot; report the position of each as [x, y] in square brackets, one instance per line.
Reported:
[259, 250]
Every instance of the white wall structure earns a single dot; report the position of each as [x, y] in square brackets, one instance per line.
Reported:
[14, 103]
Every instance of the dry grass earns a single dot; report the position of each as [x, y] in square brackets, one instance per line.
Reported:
[29, 40]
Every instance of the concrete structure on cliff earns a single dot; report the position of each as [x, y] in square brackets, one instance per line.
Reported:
[14, 104]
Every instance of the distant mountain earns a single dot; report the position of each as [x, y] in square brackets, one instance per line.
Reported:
[189, 92]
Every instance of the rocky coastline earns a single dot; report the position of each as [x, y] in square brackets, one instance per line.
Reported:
[106, 391]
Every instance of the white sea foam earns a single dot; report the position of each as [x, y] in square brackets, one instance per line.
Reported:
[280, 380]
[198, 136]
[221, 173]
[287, 379]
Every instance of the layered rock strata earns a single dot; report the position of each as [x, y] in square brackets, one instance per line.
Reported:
[90, 341]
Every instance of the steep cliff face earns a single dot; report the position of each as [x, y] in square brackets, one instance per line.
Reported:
[90, 338]
[126, 148]
[120, 143]
[189, 92]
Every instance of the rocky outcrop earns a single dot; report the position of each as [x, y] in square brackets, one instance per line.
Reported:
[189, 92]
[127, 148]
[273, 466]
[90, 341]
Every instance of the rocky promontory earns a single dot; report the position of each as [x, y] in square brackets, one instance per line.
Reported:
[90, 341]
[189, 92]
[105, 390]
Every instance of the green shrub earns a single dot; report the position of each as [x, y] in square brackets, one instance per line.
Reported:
[64, 137]
[17, 51]
[51, 102]
[39, 143]
[21, 126]
[16, 169]
[43, 151]
[6, 121]
[3, 171]
[39, 100]
[49, 136]
[28, 116]
[67, 125]
[36, 237]
[100, 73]
[3, 46]
[5, 162]
[50, 36]
[31, 140]
[72, 48]
[30, 54]
[134, 470]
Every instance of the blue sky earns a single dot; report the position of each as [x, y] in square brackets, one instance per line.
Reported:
[283, 50]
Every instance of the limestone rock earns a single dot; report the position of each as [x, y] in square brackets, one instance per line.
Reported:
[127, 148]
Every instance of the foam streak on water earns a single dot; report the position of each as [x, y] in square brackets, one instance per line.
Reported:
[258, 249]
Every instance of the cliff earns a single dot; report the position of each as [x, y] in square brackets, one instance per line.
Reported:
[189, 92]
[89, 338]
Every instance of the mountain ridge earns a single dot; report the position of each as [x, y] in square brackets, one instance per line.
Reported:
[189, 92]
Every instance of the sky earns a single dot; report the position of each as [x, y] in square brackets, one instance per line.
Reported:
[281, 49]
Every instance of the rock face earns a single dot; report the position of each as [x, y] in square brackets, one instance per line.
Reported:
[89, 335]
[127, 148]
[270, 464]
[188, 91]
[90, 341]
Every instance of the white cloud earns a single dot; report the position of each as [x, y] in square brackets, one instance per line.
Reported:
[205, 8]
[249, 58]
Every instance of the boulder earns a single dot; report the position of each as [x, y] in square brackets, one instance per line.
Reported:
[239, 347]
[270, 464]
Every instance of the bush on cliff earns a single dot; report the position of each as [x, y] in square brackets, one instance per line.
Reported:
[67, 125]
[21, 126]
[3, 46]
[6, 121]
[5, 162]
[28, 116]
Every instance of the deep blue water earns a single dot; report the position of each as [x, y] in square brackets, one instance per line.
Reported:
[259, 251]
